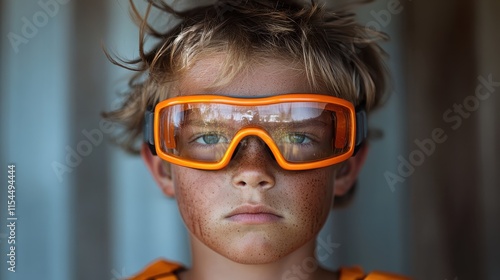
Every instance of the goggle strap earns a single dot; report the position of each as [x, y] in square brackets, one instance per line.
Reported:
[148, 133]
[361, 129]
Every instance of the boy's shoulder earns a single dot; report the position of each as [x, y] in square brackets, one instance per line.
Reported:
[167, 270]
[159, 270]
[356, 273]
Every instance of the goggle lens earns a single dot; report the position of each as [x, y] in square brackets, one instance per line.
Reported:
[303, 131]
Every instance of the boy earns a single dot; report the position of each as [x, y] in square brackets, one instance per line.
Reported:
[252, 112]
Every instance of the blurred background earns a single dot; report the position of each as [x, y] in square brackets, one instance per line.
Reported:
[427, 203]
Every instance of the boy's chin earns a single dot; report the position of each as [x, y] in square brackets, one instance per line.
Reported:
[257, 251]
[254, 258]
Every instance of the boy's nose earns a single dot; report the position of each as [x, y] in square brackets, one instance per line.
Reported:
[252, 164]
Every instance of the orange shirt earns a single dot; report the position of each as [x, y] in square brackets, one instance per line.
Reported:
[165, 270]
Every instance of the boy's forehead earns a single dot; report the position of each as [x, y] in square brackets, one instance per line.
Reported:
[270, 77]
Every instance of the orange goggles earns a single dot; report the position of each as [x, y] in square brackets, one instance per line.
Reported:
[303, 131]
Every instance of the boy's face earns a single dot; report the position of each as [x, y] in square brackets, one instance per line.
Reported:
[296, 203]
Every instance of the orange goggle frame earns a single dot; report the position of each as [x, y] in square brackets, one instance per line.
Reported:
[160, 132]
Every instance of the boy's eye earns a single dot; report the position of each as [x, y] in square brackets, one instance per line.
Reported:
[297, 138]
[210, 139]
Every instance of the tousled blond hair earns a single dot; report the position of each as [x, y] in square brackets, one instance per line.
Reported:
[335, 53]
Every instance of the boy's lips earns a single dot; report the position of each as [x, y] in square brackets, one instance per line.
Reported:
[253, 214]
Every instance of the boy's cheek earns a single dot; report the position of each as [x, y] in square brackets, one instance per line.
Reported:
[314, 194]
[197, 190]
[192, 207]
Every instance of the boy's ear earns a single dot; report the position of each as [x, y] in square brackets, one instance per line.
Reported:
[347, 175]
[160, 171]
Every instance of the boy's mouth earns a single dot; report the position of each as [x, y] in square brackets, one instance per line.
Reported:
[253, 214]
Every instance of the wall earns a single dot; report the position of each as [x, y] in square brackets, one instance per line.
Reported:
[85, 209]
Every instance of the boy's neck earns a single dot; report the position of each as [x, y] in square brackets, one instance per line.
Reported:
[207, 264]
